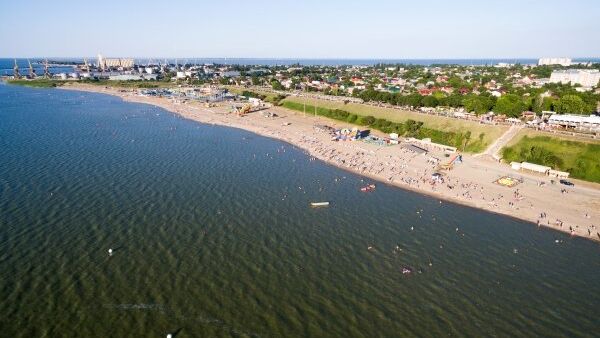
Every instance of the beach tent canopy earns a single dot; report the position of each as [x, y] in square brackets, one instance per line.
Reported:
[535, 167]
[559, 174]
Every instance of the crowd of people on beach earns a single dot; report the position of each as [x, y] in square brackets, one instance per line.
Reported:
[415, 171]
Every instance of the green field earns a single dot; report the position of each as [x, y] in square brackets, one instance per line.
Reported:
[462, 140]
[129, 84]
[40, 83]
[580, 158]
[434, 124]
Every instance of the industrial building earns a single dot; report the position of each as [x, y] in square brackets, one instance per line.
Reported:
[114, 63]
[132, 77]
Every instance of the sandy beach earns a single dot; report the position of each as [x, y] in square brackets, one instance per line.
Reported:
[574, 210]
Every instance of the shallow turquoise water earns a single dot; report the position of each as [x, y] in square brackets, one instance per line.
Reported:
[213, 236]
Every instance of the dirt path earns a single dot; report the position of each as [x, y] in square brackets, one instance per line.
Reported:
[494, 149]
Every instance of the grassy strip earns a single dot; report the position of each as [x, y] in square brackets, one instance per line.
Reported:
[51, 83]
[39, 83]
[491, 133]
[410, 128]
[581, 159]
[128, 84]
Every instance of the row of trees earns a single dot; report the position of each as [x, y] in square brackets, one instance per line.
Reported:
[510, 104]
[536, 154]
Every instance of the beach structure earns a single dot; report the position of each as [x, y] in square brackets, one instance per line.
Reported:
[427, 144]
[535, 168]
[558, 174]
[589, 123]
[515, 165]
[415, 149]
[539, 169]
[507, 181]
[457, 158]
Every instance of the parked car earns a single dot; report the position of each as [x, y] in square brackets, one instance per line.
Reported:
[565, 182]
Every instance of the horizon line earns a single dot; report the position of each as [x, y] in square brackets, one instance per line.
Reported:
[315, 58]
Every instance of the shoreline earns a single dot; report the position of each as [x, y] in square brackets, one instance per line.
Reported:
[398, 167]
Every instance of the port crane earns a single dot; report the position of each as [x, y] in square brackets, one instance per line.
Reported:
[163, 67]
[31, 70]
[86, 65]
[46, 69]
[16, 74]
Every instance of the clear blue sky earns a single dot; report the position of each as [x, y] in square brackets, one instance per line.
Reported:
[301, 28]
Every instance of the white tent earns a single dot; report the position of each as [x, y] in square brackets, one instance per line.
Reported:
[535, 168]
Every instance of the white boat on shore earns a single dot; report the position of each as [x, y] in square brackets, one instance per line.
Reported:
[319, 204]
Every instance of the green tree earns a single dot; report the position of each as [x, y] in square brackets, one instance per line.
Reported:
[571, 104]
[544, 156]
[412, 128]
[367, 120]
[275, 84]
[509, 104]
[477, 104]
[538, 104]
[429, 101]
[542, 71]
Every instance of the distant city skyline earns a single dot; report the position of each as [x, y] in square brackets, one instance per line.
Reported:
[380, 29]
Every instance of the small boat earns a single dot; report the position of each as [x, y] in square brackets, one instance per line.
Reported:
[319, 204]
[406, 270]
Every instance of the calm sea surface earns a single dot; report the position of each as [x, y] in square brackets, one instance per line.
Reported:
[213, 237]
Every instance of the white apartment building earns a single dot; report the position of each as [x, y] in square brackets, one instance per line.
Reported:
[554, 61]
[583, 77]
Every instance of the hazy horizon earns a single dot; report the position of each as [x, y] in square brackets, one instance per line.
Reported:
[380, 29]
[301, 58]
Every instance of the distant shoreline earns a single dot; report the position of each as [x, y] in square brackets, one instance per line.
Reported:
[254, 61]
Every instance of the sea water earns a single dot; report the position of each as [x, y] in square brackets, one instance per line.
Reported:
[212, 236]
